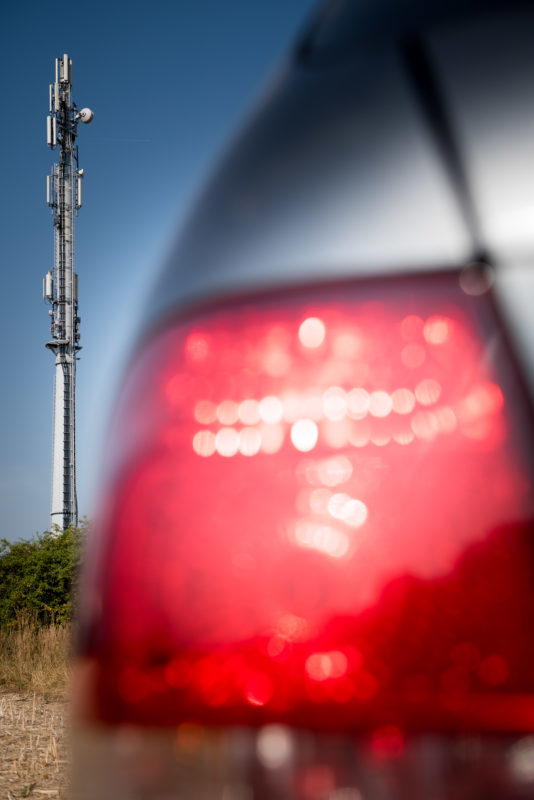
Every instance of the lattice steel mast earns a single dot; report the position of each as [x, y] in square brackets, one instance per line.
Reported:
[60, 288]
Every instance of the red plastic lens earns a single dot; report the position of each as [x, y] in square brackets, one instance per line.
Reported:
[320, 513]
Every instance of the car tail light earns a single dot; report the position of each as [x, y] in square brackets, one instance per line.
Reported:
[318, 512]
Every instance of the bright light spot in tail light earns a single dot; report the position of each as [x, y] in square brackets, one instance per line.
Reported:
[292, 627]
[322, 666]
[380, 438]
[318, 500]
[259, 690]
[380, 404]
[436, 330]
[204, 443]
[445, 419]
[403, 401]
[425, 425]
[205, 412]
[335, 403]
[355, 513]
[403, 437]
[411, 327]
[494, 670]
[272, 438]
[343, 507]
[271, 409]
[477, 412]
[249, 441]
[227, 442]
[227, 412]
[312, 332]
[428, 392]
[249, 412]
[324, 538]
[358, 403]
[197, 347]
[278, 648]
[413, 355]
[304, 434]
[274, 746]
[336, 503]
[334, 471]
[485, 398]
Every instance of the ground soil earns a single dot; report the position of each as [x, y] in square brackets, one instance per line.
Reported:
[34, 755]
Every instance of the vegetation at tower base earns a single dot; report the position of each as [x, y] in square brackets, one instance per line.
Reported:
[38, 578]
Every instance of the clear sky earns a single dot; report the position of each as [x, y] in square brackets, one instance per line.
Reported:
[168, 82]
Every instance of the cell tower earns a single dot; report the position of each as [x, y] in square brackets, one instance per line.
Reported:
[60, 288]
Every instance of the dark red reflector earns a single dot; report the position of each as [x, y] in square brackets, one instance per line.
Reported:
[320, 513]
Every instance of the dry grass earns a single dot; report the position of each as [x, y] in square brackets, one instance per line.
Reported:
[35, 659]
[34, 757]
[34, 674]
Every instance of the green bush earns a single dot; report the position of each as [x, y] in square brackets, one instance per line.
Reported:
[37, 577]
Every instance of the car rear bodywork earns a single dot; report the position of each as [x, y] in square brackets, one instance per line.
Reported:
[311, 575]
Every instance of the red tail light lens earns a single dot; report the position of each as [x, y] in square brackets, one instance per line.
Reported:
[320, 513]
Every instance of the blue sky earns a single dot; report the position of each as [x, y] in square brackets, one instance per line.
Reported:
[168, 83]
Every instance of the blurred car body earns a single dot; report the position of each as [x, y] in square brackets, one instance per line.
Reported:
[312, 574]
